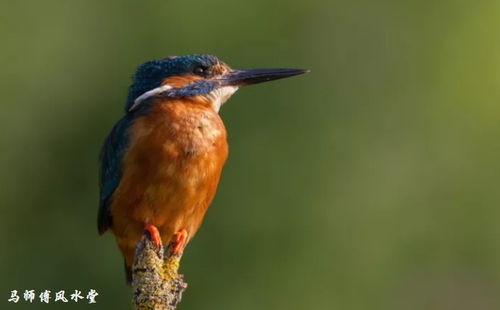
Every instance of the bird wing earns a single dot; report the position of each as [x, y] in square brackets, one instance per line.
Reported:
[110, 170]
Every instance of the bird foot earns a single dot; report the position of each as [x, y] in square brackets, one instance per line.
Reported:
[154, 235]
[179, 242]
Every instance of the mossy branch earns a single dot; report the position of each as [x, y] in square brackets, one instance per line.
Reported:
[155, 280]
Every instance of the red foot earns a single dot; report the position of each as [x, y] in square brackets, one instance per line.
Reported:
[180, 239]
[155, 235]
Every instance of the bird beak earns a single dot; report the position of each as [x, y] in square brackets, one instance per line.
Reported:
[254, 76]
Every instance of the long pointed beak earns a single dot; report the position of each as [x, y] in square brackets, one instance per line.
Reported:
[254, 76]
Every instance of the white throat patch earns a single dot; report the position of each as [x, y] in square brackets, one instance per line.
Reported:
[220, 95]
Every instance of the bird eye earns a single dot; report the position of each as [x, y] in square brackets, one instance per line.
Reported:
[200, 70]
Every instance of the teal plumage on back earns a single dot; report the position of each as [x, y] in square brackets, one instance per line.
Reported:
[110, 171]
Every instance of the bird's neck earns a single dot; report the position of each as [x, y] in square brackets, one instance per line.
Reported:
[187, 88]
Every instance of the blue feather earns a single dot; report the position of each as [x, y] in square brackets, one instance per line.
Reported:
[110, 172]
[150, 74]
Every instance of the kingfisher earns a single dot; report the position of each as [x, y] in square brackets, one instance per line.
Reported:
[161, 162]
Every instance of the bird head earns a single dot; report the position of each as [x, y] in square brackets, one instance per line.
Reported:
[200, 77]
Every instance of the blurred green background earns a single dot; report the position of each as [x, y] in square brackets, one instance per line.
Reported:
[370, 183]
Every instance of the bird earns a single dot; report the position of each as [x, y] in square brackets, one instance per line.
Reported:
[160, 164]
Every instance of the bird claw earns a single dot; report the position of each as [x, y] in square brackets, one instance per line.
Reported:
[179, 242]
[154, 235]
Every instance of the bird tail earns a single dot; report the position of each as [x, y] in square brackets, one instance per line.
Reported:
[128, 273]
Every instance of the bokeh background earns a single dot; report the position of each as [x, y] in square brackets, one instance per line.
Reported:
[370, 183]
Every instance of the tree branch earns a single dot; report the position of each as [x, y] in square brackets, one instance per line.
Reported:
[156, 283]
